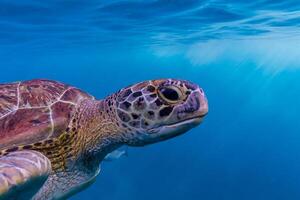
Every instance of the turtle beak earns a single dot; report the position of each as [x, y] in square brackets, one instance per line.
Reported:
[203, 108]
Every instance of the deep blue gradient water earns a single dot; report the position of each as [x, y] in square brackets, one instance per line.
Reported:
[245, 54]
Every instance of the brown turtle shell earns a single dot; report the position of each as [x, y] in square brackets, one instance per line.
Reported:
[36, 110]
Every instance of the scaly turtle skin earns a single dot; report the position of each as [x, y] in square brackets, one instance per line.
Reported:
[64, 133]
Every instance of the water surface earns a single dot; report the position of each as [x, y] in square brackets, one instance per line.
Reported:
[245, 54]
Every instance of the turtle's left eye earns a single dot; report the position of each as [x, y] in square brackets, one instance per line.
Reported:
[170, 94]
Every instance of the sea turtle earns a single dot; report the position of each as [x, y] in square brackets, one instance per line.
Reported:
[53, 136]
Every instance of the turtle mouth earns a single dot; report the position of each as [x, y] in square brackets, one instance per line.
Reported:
[197, 120]
[178, 127]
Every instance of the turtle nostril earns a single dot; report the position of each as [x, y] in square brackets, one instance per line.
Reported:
[188, 92]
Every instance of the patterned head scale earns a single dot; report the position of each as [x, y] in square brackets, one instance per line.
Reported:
[160, 109]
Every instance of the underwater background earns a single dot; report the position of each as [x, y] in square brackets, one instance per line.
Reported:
[245, 55]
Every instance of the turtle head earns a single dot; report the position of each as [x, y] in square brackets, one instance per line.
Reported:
[157, 110]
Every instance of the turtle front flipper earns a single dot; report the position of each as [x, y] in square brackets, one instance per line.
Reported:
[22, 174]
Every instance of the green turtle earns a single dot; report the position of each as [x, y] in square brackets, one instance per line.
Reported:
[53, 136]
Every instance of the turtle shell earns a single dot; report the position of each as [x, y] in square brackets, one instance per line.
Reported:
[32, 111]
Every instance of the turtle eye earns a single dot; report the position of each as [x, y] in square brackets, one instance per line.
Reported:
[170, 94]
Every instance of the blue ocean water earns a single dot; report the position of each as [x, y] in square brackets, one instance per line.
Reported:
[245, 54]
